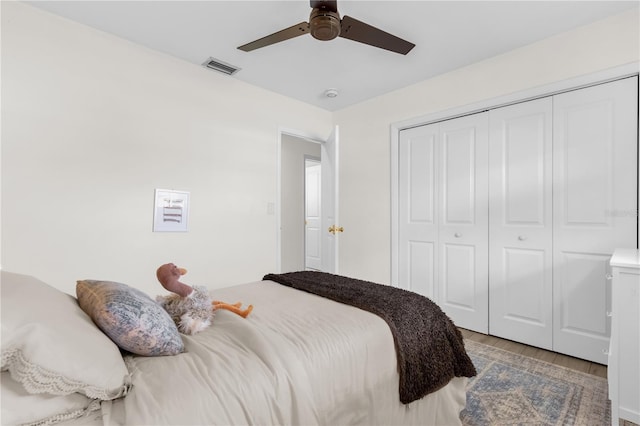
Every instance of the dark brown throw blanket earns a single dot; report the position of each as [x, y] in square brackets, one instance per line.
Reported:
[429, 347]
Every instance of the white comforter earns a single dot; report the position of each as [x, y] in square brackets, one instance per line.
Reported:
[297, 359]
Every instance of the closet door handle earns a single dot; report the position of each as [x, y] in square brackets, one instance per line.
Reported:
[457, 235]
[522, 237]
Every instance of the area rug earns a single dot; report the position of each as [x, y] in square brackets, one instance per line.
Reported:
[512, 389]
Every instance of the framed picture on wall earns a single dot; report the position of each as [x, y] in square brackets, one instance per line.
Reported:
[171, 211]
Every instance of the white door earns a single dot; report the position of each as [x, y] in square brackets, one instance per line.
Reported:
[330, 227]
[417, 197]
[463, 221]
[312, 211]
[520, 223]
[594, 207]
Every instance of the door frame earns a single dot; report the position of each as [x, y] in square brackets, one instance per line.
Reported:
[278, 207]
[611, 74]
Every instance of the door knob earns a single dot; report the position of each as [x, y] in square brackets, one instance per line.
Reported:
[333, 229]
[522, 237]
[457, 235]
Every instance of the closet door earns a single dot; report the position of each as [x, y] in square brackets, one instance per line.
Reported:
[417, 227]
[463, 221]
[520, 224]
[595, 208]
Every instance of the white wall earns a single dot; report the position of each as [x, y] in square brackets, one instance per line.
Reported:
[365, 247]
[92, 124]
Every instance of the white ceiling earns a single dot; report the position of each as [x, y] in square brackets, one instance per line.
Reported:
[447, 34]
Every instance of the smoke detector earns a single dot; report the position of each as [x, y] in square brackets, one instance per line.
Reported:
[331, 93]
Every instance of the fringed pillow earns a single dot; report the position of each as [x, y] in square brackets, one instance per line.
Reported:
[53, 351]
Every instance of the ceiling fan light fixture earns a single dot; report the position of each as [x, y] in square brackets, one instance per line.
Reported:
[324, 25]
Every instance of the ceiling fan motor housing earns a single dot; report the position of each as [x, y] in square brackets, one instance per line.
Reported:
[324, 24]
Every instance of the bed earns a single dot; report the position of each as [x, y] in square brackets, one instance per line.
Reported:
[298, 359]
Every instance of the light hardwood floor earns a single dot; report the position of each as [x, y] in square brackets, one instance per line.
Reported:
[544, 355]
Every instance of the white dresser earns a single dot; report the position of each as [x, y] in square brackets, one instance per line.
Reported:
[624, 349]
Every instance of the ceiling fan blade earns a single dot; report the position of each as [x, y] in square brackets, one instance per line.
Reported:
[331, 6]
[286, 34]
[364, 33]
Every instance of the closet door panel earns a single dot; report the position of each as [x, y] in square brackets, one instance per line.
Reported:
[458, 176]
[417, 212]
[595, 208]
[458, 273]
[520, 211]
[582, 286]
[463, 219]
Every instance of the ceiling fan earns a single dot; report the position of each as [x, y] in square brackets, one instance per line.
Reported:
[325, 24]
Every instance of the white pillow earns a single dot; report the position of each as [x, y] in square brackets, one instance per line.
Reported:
[22, 408]
[49, 345]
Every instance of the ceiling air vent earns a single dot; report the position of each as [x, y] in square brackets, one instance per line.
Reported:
[220, 66]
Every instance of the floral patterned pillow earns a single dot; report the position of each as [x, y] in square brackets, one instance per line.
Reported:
[130, 318]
